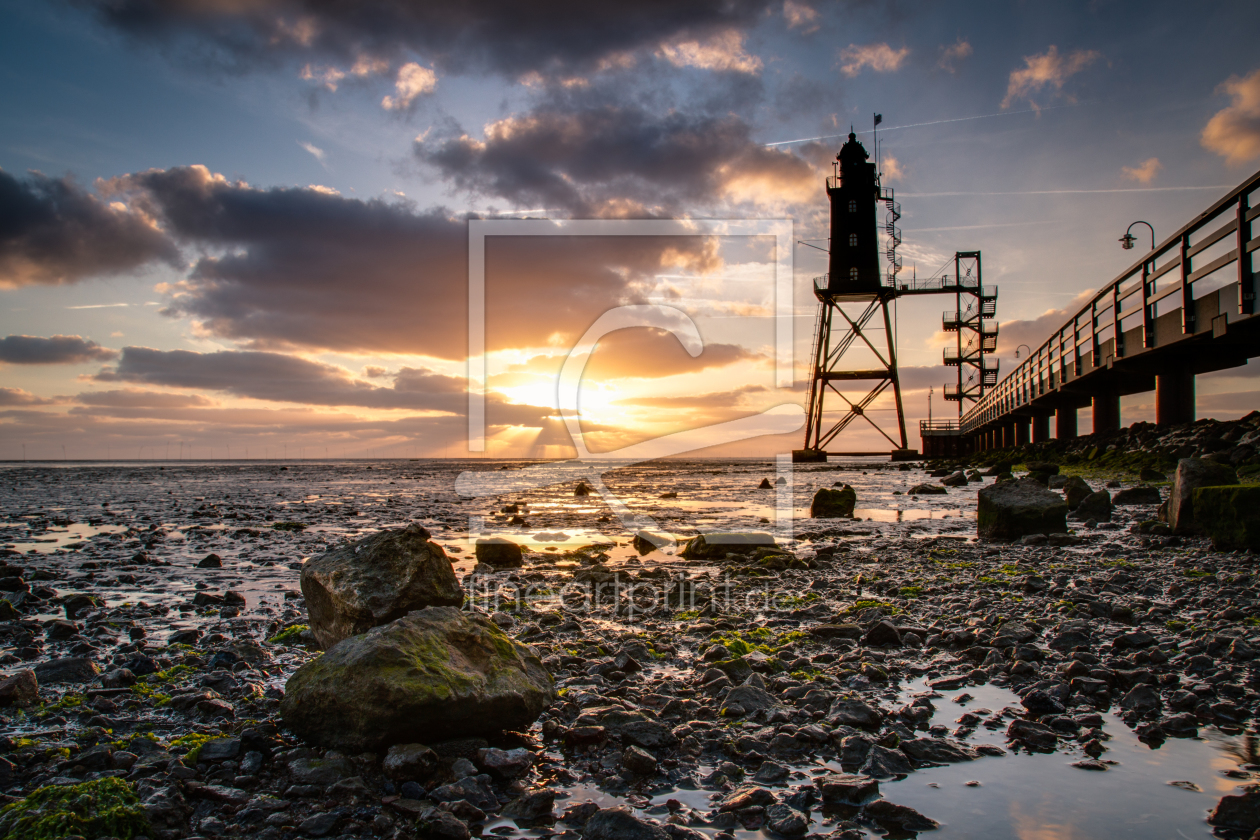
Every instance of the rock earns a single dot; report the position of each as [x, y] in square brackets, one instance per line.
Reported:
[719, 544]
[118, 678]
[582, 489]
[751, 699]
[847, 788]
[1141, 698]
[1032, 735]
[956, 479]
[499, 552]
[436, 824]
[531, 807]
[765, 485]
[321, 772]
[747, 796]
[59, 629]
[882, 762]
[648, 540]
[19, 689]
[73, 669]
[409, 762]
[927, 490]
[434, 674]
[1137, 496]
[505, 764]
[786, 820]
[1148, 474]
[771, 773]
[219, 749]
[1041, 703]
[1010, 509]
[620, 824]
[372, 581]
[1095, 506]
[898, 817]
[836, 631]
[1193, 473]
[1075, 489]
[1241, 811]
[474, 789]
[882, 634]
[8, 612]
[934, 750]
[829, 503]
[1043, 467]
[1229, 515]
[852, 711]
[77, 605]
[633, 727]
[638, 760]
[211, 561]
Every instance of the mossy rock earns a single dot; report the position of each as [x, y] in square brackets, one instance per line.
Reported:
[1230, 515]
[432, 675]
[101, 808]
[1010, 509]
[830, 503]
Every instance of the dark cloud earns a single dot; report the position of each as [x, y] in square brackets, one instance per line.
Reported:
[611, 160]
[57, 350]
[280, 377]
[298, 267]
[637, 354]
[715, 399]
[563, 36]
[135, 398]
[17, 396]
[53, 232]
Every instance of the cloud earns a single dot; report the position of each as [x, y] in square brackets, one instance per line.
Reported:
[711, 400]
[1049, 70]
[137, 398]
[723, 52]
[16, 396]
[879, 57]
[315, 151]
[299, 267]
[510, 38]
[53, 232]
[954, 53]
[605, 160]
[57, 350]
[413, 82]
[800, 16]
[891, 167]
[1144, 172]
[1234, 132]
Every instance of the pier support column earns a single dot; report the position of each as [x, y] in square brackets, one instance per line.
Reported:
[1106, 412]
[1065, 423]
[1021, 430]
[1040, 428]
[1174, 396]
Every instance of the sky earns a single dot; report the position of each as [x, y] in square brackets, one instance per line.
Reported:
[239, 228]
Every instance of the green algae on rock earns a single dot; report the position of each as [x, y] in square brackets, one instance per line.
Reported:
[1230, 515]
[830, 503]
[433, 674]
[101, 808]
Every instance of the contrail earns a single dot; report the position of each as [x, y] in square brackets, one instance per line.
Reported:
[932, 122]
[1070, 192]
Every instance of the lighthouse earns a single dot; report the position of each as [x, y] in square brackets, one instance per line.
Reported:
[853, 268]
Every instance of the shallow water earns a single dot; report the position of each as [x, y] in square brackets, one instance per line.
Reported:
[230, 508]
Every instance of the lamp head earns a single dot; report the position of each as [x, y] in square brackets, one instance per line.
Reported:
[1126, 241]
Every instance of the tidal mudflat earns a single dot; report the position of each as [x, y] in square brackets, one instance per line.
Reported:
[881, 675]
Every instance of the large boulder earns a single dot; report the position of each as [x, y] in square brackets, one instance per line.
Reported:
[1075, 489]
[1240, 812]
[375, 580]
[1229, 515]
[1193, 473]
[1095, 506]
[432, 675]
[499, 552]
[1010, 509]
[830, 503]
[1137, 496]
[718, 545]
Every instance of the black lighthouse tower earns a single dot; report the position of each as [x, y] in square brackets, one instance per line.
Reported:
[854, 191]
